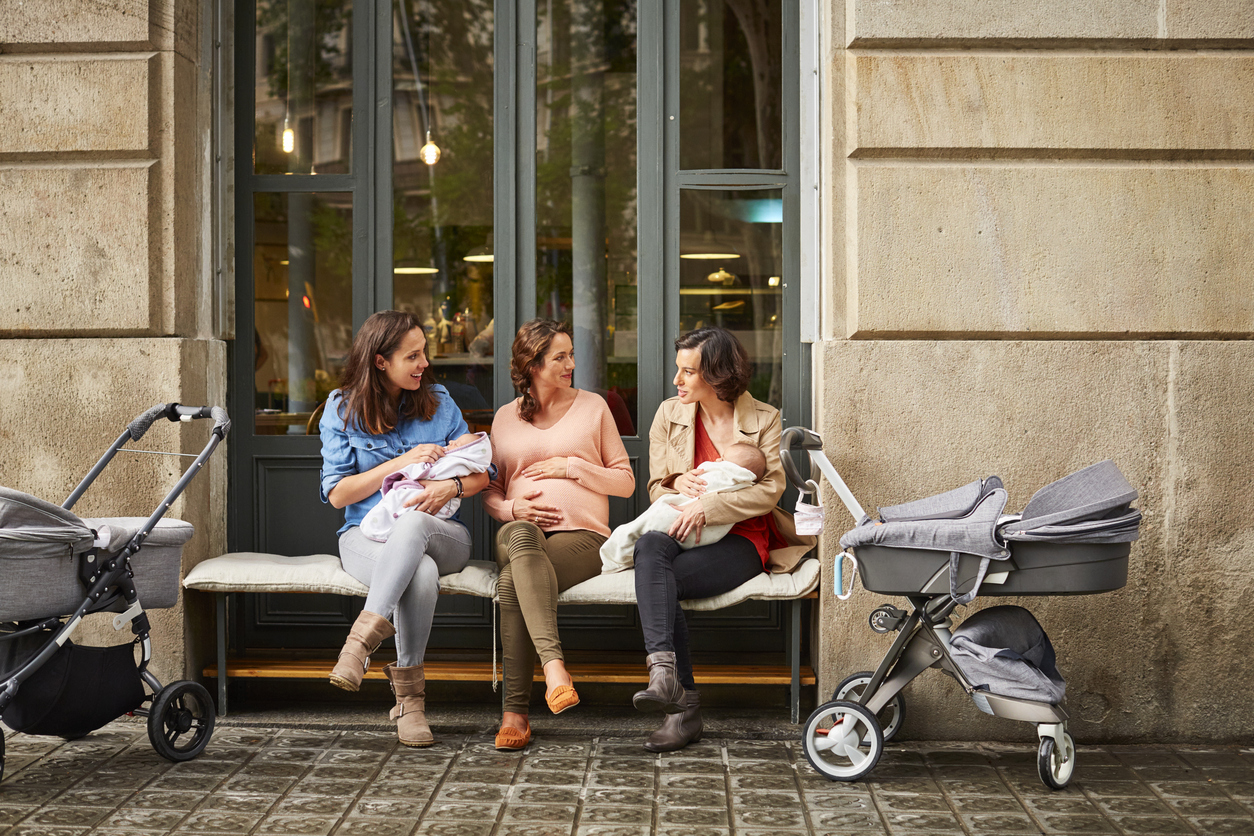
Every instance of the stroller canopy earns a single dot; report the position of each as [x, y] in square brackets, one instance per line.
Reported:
[1093, 505]
[33, 528]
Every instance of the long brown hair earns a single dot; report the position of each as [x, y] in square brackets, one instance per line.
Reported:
[725, 364]
[367, 404]
[530, 346]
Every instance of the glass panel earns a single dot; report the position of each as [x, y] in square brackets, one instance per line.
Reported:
[304, 89]
[442, 202]
[586, 189]
[730, 262]
[303, 302]
[730, 85]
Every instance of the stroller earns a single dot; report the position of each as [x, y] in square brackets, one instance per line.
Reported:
[1073, 538]
[56, 568]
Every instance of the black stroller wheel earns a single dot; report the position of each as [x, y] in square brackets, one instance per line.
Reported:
[181, 721]
[833, 741]
[891, 716]
[1056, 768]
[1, 754]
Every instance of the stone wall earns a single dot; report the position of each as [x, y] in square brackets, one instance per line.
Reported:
[105, 298]
[1039, 254]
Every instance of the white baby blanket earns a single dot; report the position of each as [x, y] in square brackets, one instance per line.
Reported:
[404, 484]
[617, 553]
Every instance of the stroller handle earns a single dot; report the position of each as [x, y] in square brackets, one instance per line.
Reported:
[810, 441]
[178, 412]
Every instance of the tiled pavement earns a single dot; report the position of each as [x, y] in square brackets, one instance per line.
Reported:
[321, 780]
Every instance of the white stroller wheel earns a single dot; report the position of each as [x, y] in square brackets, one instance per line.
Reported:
[1055, 768]
[890, 717]
[833, 741]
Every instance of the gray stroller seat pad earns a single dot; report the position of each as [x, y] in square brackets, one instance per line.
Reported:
[1005, 651]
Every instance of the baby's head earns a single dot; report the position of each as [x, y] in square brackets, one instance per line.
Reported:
[748, 457]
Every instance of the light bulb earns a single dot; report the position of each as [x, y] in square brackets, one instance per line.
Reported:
[289, 140]
[429, 153]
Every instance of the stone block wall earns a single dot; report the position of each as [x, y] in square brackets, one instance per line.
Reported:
[104, 299]
[1039, 254]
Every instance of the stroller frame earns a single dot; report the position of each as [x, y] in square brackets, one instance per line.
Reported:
[844, 738]
[108, 583]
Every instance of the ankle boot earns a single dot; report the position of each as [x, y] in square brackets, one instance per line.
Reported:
[664, 692]
[678, 730]
[368, 631]
[410, 687]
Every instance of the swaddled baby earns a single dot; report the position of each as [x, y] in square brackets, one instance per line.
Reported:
[404, 484]
[741, 466]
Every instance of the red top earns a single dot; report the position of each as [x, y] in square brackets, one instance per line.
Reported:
[760, 531]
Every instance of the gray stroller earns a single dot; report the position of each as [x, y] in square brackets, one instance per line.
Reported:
[56, 568]
[1073, 538]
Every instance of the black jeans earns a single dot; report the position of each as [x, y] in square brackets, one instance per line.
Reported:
[666, 575]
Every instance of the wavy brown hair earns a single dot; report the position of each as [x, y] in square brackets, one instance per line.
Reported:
[530, 346]
[725, 364]
[366, 402]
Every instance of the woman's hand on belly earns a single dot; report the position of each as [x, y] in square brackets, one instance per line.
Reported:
[551, 468]
[526, 508]
[690, 520]
[434, 496]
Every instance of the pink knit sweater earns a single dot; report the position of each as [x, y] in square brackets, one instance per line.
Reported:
[597, 467]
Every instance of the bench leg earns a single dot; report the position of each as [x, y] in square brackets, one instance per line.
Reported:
[221, 606]
[794, 657]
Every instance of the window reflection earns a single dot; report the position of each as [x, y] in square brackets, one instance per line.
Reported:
[304, 91]
[731, 84]
[586, 189]
[442, 235]
[730, 268]
[302, 268]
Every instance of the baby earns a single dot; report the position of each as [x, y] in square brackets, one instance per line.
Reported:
[472, 457]
[742, 465]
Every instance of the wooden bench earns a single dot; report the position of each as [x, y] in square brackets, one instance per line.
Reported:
[322, 573]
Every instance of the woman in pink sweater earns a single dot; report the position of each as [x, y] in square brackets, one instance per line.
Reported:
[559, 458]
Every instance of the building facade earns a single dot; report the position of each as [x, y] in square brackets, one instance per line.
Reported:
[1029, 249]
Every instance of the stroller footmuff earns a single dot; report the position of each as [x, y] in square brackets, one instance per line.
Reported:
[56, 568]
[1073, 538]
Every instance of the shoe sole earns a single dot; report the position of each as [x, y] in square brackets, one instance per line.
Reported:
[346, 684]
[422, 745]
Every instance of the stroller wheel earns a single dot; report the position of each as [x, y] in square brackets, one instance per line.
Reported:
[1054, 767]
[842, 741]
[181, 721]
[1, 754]
[890, 717]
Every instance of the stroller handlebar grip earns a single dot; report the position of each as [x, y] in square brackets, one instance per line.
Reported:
[221, 421]
[803, 438]
[141, 424]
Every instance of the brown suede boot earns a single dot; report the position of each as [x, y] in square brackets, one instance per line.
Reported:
[678, 730]
[410, 687]
[368, 631]
[664, 692]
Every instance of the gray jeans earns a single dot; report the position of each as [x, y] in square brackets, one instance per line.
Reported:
[403, 574]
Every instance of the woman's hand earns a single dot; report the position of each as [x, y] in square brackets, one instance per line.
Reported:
[553, 468]
[690, 483]
[526, 508]
[434, 496]
[422, 454]
[691, 520]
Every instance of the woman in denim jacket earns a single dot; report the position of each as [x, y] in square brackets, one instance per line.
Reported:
[387, 414]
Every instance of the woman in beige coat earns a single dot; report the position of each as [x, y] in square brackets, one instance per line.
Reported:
[712, 411]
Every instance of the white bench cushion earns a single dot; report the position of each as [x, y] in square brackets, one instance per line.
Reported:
[257, 572]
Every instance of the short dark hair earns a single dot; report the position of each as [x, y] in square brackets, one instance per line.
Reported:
[725, 364]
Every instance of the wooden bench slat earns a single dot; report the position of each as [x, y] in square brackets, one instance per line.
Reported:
[464, 671]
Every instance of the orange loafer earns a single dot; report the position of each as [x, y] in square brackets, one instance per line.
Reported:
[511, 739]
[562, 698]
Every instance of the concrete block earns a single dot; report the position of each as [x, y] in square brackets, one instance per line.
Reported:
[1144, 101]
[63, 103]
[908, 419]
[1211, 19]
[74, 248]
[1002, 249]
[159, 24]
[76, 396]
[873, 21]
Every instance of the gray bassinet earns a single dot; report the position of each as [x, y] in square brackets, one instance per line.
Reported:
[40, 544]
[1073, 537]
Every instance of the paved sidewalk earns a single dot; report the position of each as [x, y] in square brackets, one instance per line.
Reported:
[323, 780]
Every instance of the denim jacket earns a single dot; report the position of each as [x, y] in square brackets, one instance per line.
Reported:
[346, 451]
